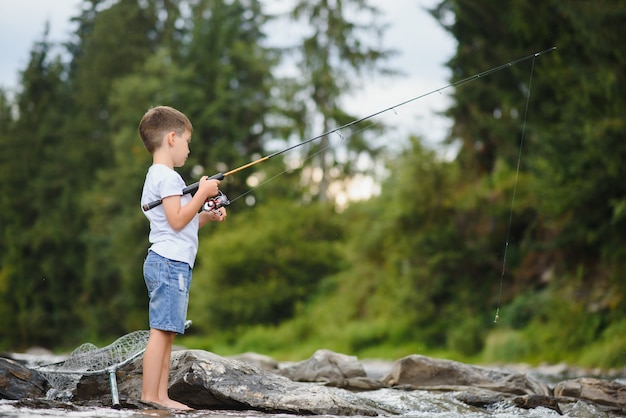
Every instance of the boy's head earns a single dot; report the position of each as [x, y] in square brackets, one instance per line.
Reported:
[158, 122]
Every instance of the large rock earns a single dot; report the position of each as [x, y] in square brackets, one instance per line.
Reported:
[324, 366]
[18, 381]
[421, 372]
[601, 392]
[332, 369]
[204, 380]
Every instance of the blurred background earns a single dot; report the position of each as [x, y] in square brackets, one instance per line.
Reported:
[404, 233]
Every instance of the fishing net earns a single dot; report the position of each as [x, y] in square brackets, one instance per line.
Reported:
[88, 359]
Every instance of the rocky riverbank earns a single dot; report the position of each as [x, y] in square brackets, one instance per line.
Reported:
[329, 383]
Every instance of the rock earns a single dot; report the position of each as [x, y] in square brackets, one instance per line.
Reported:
[205, 380]
[358, 384]
[479, 400]
[421, 372]
[325, 366]
[18, 381]
[536, 401]
[519, 384]
[97, 386]
[602, 392]
[332, 369]
[39, 403]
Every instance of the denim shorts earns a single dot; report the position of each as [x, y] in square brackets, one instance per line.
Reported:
[168, 283]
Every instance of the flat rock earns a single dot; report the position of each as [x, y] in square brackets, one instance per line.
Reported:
[205, 380]
[598, 391]
[421, 372]
[18, 382]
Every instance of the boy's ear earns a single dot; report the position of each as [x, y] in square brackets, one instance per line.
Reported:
[170, 138]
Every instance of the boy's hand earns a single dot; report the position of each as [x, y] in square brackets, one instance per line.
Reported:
[208, 187]
[218, 215]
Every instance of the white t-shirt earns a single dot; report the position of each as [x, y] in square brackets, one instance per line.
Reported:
[162, 181]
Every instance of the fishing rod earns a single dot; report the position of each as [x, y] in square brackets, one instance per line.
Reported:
[221, 200]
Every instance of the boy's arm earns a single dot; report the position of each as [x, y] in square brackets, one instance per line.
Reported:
[179, 216]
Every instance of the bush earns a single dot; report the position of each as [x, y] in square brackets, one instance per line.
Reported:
[268, 261]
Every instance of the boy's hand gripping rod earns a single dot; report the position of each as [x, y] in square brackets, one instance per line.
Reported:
[192, 188]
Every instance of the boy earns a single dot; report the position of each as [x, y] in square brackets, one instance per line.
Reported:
[174, 224]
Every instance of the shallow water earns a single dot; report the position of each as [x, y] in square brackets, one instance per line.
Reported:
[414, 404]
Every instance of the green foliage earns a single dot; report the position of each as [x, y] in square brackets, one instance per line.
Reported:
[607, 351]
[269, 261]
[226, 85]
[570, 237]
[556, 325]
[41, 257]
[510, 346]
[521, 311]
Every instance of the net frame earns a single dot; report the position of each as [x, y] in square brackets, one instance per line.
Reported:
[89, 360]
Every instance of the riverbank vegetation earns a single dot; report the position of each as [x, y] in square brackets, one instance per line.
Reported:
[422, 267]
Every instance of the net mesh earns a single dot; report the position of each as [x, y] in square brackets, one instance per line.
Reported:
[87, 359]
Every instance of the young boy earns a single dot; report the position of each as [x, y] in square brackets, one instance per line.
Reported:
[174, 224]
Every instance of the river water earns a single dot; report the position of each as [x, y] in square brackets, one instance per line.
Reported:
[414, 404]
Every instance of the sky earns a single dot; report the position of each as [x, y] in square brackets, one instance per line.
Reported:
[423, 49]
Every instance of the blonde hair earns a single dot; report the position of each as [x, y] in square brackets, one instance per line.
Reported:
[158, 122]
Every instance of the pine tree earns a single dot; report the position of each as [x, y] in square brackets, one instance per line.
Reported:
[41, 260]
[335, 51]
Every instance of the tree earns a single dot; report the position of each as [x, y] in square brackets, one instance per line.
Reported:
[115, 42]
[487, 114]
[573, 242]
[41, 258]
[333, 53]
[567, 134]
[227, 89]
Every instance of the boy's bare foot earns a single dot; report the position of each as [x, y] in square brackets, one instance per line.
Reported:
[169, 404]
[172, 404]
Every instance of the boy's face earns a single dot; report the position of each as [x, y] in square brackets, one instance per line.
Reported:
[180, 148]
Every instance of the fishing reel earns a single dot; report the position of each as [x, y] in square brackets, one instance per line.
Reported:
[214, 203]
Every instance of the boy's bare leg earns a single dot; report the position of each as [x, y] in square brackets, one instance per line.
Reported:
[152, 365]
[165, 370]
[156, 366]
[164, 383]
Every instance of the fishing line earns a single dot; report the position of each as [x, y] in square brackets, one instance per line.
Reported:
[519, 160]
[194, 187]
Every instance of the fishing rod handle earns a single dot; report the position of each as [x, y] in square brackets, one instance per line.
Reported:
[192, 188]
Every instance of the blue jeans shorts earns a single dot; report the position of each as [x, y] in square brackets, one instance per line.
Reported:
[168, 283]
